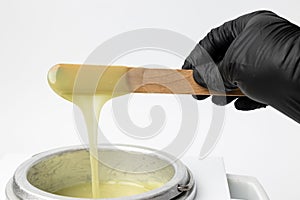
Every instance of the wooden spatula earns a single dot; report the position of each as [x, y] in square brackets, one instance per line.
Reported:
[137, 80]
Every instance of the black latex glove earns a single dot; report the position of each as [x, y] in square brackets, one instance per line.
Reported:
[259, 53]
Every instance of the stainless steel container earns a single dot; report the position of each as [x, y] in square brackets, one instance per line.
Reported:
[42, 175]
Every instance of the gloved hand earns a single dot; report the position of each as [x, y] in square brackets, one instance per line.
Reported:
[259, 53]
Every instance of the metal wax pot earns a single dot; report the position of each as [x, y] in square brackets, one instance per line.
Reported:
[48, 172]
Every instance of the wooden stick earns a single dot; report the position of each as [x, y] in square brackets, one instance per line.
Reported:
[169, 81]
[138, 80]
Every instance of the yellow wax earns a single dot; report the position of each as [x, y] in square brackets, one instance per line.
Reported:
[78, 84]
[110, 189]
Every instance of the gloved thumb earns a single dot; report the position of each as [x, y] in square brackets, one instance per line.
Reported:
[245, 104]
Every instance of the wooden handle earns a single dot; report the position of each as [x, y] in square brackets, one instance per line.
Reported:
[169, 81]
[137, 80]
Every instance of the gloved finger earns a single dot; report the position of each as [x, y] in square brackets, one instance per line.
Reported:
[187, 65]
[205, 72]
[222, 100]
[245, 104]
[219, 39]
[200, 97]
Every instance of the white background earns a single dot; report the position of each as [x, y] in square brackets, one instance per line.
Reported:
[35, 35]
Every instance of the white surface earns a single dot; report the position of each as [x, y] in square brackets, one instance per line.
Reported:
[38, 34]
[245, 187]
[209, 175]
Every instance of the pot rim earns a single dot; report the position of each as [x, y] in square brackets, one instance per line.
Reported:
[24, 189]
